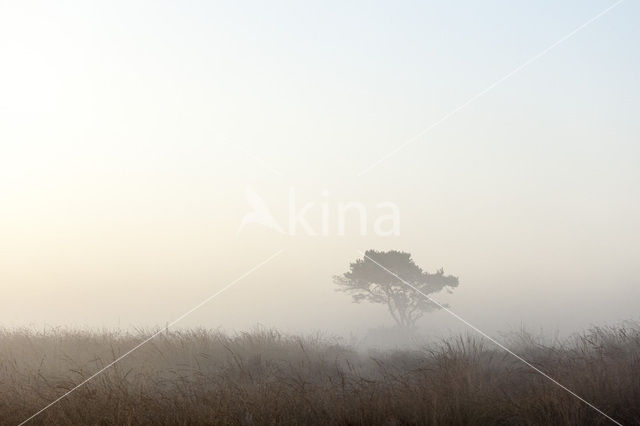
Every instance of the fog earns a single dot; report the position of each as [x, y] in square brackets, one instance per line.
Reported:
[133, 135]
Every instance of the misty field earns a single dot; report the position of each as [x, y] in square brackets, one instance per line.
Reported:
[264, 377]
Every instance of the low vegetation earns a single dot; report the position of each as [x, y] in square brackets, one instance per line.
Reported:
[264, 377]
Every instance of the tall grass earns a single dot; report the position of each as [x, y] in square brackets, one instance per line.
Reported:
[264, 377]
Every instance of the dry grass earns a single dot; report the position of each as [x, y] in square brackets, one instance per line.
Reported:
[263, 377]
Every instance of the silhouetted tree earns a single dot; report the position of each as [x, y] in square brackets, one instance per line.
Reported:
[368, 281]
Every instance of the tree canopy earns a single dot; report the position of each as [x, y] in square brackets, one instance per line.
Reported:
[367, 280]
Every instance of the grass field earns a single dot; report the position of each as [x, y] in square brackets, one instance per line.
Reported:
[264, 377]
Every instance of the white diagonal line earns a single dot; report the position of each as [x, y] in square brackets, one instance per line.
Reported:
[260, 160]
[476, 329]
[254, 157]
[172, 323]
[489, 88]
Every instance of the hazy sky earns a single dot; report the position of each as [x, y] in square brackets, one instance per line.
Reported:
[130, 131]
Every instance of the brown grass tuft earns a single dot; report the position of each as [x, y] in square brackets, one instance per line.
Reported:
[264, 377]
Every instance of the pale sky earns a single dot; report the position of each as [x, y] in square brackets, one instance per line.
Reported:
[130, 131]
